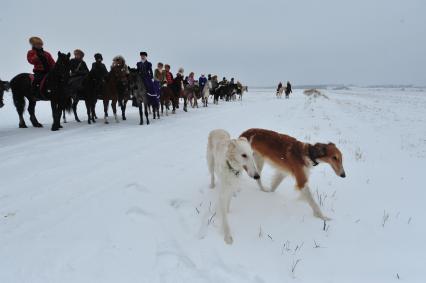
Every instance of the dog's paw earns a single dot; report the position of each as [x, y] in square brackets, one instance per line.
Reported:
[212, 186]
[228, 239]
[265, 189]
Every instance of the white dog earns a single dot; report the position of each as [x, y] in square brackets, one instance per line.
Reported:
[227, 158]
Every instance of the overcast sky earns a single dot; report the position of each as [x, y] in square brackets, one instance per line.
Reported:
[259, 42]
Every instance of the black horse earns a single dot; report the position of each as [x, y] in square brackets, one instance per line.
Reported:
[89, 88]
[53, 90]
[4, 86]
[224, 91]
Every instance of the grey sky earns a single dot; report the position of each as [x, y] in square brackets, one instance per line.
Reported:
[259, 42]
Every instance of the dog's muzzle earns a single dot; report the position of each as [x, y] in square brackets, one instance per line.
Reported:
[343, 175]
[256, 177]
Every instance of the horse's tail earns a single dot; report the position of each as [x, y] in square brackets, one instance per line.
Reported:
[18, 92]
[68, 104]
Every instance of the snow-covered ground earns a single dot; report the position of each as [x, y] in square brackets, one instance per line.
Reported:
[124, 203]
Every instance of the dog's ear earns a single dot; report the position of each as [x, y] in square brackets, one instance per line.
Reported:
[233, 144]
[243, 139]
[320, 149]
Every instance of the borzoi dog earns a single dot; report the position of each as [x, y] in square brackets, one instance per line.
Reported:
[292, 157]
[227, 158]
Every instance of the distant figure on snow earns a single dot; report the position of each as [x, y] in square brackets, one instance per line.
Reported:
[288, 90]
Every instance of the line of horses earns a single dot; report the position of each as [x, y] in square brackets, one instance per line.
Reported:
[118, 87]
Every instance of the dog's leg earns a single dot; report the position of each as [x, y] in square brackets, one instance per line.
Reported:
[277, 179]
[307, 195]
[224, 199]
[260, 161]
[210, 164]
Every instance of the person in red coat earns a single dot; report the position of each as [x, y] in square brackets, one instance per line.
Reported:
[42, 61]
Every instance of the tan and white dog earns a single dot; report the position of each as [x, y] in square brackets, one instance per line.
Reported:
[227, 158]
[292, 157]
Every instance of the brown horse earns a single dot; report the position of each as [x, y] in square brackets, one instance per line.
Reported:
[166, 95]
[192, 94]
[116, 90]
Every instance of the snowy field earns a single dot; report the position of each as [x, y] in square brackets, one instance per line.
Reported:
[125, 203]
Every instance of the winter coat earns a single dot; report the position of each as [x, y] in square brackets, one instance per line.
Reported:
[202, 82]
[191, 81]
[145, 69]
[78, 67]
[169, 78]
[42, 60]
[99, 70]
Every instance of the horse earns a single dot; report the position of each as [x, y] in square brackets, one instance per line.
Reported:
[240, 91]
[52, 89]
[192, 93]
[4, 86]
[116, 90]
[205, 93]
[139, 94]
[280, 91]
[223, 91]
[177, 93]
[77, 92]
[166, 95]
[92, 90]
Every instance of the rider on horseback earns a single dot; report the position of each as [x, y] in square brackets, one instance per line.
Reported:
[98, 67]
[78, 67]
[42, 61]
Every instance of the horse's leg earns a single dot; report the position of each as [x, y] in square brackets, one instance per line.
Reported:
[106, 105]
[146, 106]
[19, 101]
[185, 104]
[88, 110]
[173, 105]
[123, 109]
[74, 109]
[64, 117]
[140, 113]
[114, 109]
[56, 115]
[31, 111]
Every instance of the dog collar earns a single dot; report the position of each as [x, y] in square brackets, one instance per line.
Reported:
[311, 156]
[236, 172]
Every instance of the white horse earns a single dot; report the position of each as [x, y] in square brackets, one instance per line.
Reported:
[205, 93]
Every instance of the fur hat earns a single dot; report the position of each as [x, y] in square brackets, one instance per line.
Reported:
[35, 40]
[143, 53]
[98, 56]
[78, 51]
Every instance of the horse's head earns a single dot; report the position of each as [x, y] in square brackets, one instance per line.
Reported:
[62, 65]
[4, 86]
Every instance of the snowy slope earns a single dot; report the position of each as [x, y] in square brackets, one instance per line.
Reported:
[124, 203]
